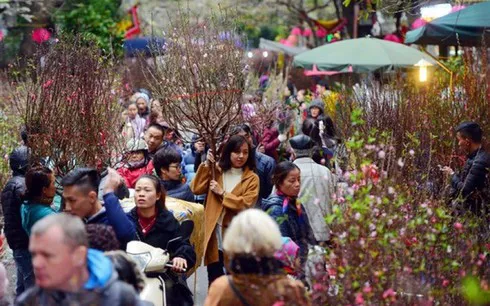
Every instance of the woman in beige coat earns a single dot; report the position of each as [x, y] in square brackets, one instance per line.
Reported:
[256, 277]
[235, 188]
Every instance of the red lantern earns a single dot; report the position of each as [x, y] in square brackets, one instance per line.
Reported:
[40, 35]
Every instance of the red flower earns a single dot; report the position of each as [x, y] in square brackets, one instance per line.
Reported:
[48, 83]
[40, 35]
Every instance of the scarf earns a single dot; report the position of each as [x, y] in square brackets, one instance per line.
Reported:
[294, 203]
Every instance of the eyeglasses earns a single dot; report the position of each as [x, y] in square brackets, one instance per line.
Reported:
[178, 167]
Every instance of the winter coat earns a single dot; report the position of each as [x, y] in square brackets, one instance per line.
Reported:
[472, 180]
[243, 196]
[112, 214]
[188, 164]
[289, 222]
[317, 188]
[178, 190]
[264, 287]
[102, 288]
[134, 128]
[33, 212]
[271, 142]
[131, 175]
[264, 168]
[17, 237]
[166, 228]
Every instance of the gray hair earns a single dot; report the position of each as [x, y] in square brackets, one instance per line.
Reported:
[252, 232]
[73, 229]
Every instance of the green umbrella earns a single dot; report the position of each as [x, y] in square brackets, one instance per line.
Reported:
[362, 54]
[465, 27]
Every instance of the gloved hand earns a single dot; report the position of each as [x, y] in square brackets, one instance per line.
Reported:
[282, 137]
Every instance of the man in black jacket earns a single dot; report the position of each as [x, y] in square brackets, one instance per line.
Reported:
[471, 184]
[16, 236]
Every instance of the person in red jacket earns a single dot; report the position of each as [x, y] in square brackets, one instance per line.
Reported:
[137, 162]
[271, 141]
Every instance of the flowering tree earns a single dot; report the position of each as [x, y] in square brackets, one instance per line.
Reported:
[201, 79]
[68, 103]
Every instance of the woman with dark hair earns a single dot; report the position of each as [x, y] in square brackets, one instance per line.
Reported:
[39, 195]
[323, 133]
[234, 188]
[157, 227]
[285, 208]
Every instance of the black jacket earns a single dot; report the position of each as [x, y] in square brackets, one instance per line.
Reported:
[472, 179]
[165, 229]
[264, 167]
[11, 201]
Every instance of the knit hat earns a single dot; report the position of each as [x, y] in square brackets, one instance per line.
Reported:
[135, 144]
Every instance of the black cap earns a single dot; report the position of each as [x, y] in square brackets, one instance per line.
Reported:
[467, 125]
[19, 160]
[301, 142]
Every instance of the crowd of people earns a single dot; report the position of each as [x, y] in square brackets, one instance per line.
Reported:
[262, 211]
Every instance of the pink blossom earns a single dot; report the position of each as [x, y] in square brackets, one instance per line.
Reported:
[390, 293]
[445, 283]
[458, 226]
[278, 303]
[367, 289]
[359, 299]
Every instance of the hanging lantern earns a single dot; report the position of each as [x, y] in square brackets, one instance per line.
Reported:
[41, 35]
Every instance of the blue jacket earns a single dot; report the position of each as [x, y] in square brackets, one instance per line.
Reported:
[112, 214]
[264, 168]
[188, 164]
[289, 223]
[33, 212]
[178, 190]
[102, 288]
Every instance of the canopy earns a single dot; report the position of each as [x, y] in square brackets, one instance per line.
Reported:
[146, 46]
[278, 47]
[464, 27]
[360, 55]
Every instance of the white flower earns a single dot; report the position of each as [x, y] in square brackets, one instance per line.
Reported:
[372, 227]
[401, 163]
[381, 154]
[205, 55]
[374, 234]
[391, 190]
[357, 216]
[411, 152]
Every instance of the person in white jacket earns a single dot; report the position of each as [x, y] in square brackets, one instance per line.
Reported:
[317, 187]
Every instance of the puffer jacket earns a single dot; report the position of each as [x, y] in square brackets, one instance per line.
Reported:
[178, 190]
[271, 142]
[131, 175]
[472, 180]
[102, 288]
[12, 200]
[290, 224]
[264, 167]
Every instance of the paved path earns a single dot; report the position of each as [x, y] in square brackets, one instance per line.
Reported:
[202, 285]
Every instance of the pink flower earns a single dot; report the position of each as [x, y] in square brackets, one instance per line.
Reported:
[390, 293]
[359, 299]
[367, 289]
[278, 303]
[458, 226]
[47, 84]
[445, 283]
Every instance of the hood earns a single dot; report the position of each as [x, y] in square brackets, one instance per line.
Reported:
[100, 269]
[273, 200]
[19, 160]
[318, 103]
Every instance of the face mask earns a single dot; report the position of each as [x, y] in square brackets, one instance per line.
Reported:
[137, 164]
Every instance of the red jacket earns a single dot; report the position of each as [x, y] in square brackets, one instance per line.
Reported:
[131, 175]
[270, 142]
